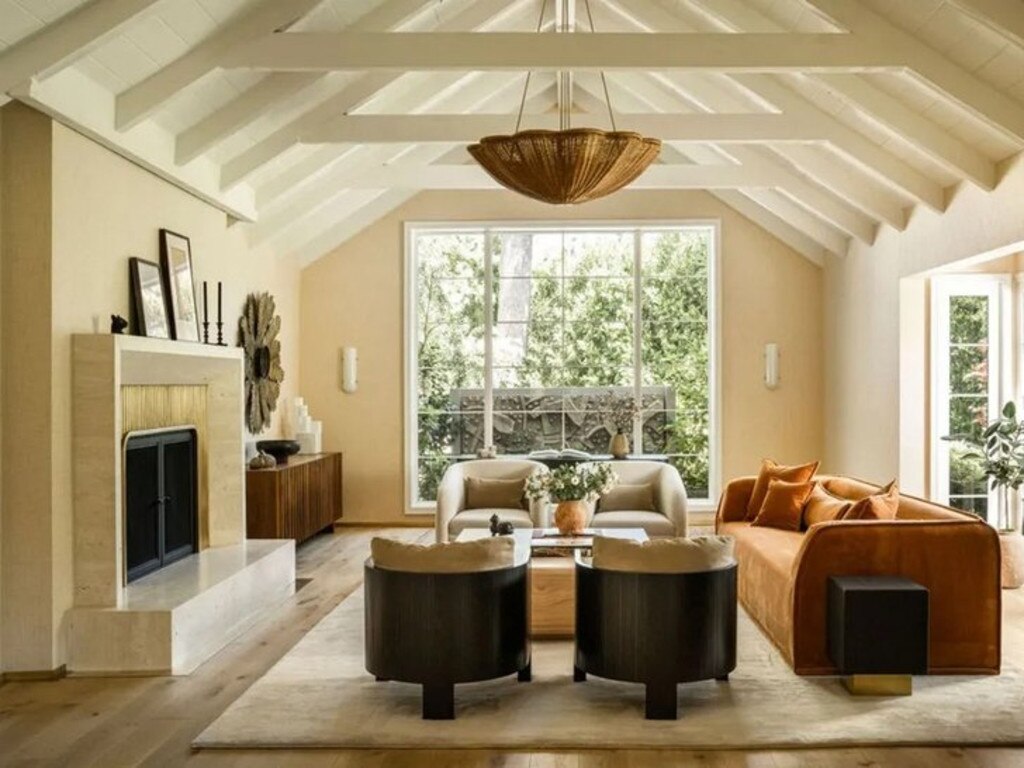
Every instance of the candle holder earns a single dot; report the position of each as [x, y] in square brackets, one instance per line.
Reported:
[220, 316]
[206, 317]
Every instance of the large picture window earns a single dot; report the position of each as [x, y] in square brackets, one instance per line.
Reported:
[533, 338]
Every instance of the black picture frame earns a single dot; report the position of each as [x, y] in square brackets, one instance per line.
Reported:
[179, 279]
[148, 299]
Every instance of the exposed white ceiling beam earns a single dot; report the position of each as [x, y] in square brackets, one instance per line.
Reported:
[71, 36]
[815, 198]
[778, 227]
[957, 156]
[643, 93]
[724, 176]
[278, 86]
[1004, 16]
[72, 98]
[348, 223]
[517, 51]
[849, 183]
[292, 202]
[480, 14]
[249, 105]
[143, 98]
[825, 204]
[985, 101]
[855, 145]
[702, 127]
[820, 231]
[766, 90]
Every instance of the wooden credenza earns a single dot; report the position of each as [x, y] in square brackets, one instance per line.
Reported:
[293, 500]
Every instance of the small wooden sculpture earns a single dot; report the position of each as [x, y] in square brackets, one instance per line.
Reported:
[499, 528]
[117, 324]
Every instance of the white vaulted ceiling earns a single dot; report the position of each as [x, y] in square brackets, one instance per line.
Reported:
[822, 120]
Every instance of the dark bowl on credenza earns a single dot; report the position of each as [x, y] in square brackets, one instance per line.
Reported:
[279, 449]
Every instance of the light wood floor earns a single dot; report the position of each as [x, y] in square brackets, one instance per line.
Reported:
[114, 722]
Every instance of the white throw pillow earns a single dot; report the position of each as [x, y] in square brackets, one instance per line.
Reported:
[678, 555]
[450, 557]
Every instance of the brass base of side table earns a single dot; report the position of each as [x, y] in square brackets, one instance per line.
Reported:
[879, 685]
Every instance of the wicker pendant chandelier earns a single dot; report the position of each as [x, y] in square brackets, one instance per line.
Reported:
[570, 165]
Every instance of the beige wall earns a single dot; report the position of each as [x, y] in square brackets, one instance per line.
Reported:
[104, 209]
[863, 326]
[353, 296]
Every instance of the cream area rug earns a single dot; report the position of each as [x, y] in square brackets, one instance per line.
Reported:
[319, 695]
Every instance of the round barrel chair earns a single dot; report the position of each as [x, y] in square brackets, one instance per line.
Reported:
[443, 627]
[658, 629]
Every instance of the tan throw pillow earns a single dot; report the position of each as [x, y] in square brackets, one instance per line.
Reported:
[703, 553]
[879, 506]
[628, 498]
[822, 507]
[489, 554]
[487, 493]
[783, 506]
[772, 471]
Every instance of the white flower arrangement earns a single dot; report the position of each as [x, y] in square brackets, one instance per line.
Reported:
[572, 482]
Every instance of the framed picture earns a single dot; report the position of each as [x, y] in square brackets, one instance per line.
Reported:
[148, 298]
[176, 257]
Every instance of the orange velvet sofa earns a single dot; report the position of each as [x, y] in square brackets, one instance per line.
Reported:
[783, 575]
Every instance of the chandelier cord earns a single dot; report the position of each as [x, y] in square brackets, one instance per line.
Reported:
[529, 72]
[604, 80]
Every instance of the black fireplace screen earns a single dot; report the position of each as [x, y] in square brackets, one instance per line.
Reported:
[161, 506]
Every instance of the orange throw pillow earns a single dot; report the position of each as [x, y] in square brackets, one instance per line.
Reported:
[822, 507]
[772, 471]
[783, 505]
[879, 506]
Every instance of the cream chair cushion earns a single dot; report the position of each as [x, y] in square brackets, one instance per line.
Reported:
[484, 492]
[628, 498]
[676, 555]
[450, 557]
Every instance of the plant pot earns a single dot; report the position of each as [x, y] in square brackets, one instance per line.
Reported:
[1011, 544]
[619, 446]
[571, 517]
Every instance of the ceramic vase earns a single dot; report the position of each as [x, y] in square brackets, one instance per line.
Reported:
[571, 517]
[619, 446]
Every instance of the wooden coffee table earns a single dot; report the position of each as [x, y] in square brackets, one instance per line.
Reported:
[553, 577]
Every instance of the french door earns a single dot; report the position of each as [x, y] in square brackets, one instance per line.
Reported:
[971, 377]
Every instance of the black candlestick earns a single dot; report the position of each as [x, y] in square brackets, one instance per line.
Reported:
[206, 317]
[220, 318]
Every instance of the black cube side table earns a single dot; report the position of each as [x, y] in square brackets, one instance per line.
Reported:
[878, 633]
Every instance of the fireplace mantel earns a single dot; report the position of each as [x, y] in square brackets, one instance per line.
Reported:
[106, 370]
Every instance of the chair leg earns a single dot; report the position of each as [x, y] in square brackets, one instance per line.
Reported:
[661, 701]
[526, 673]
[438, 701]
[380, 679]
[723, 678]
[578, 675]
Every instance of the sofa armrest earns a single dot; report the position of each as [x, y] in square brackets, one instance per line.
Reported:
[451, 499]
[732, 506]
[671, 497]
[958, 561]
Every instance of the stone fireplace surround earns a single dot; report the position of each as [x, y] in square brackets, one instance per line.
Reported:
[172, 620]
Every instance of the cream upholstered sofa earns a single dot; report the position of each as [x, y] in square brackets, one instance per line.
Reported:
[453, 515]
[668, 518]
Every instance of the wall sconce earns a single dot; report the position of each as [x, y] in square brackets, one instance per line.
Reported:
[349, 369]
[771, 366]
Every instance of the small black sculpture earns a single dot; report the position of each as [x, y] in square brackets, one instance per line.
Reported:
[499, 528]
[117, 324]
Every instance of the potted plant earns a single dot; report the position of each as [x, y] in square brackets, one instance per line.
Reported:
[571, 487]
[1000, 449]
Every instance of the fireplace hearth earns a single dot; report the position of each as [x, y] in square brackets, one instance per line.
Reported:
[161, 500]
